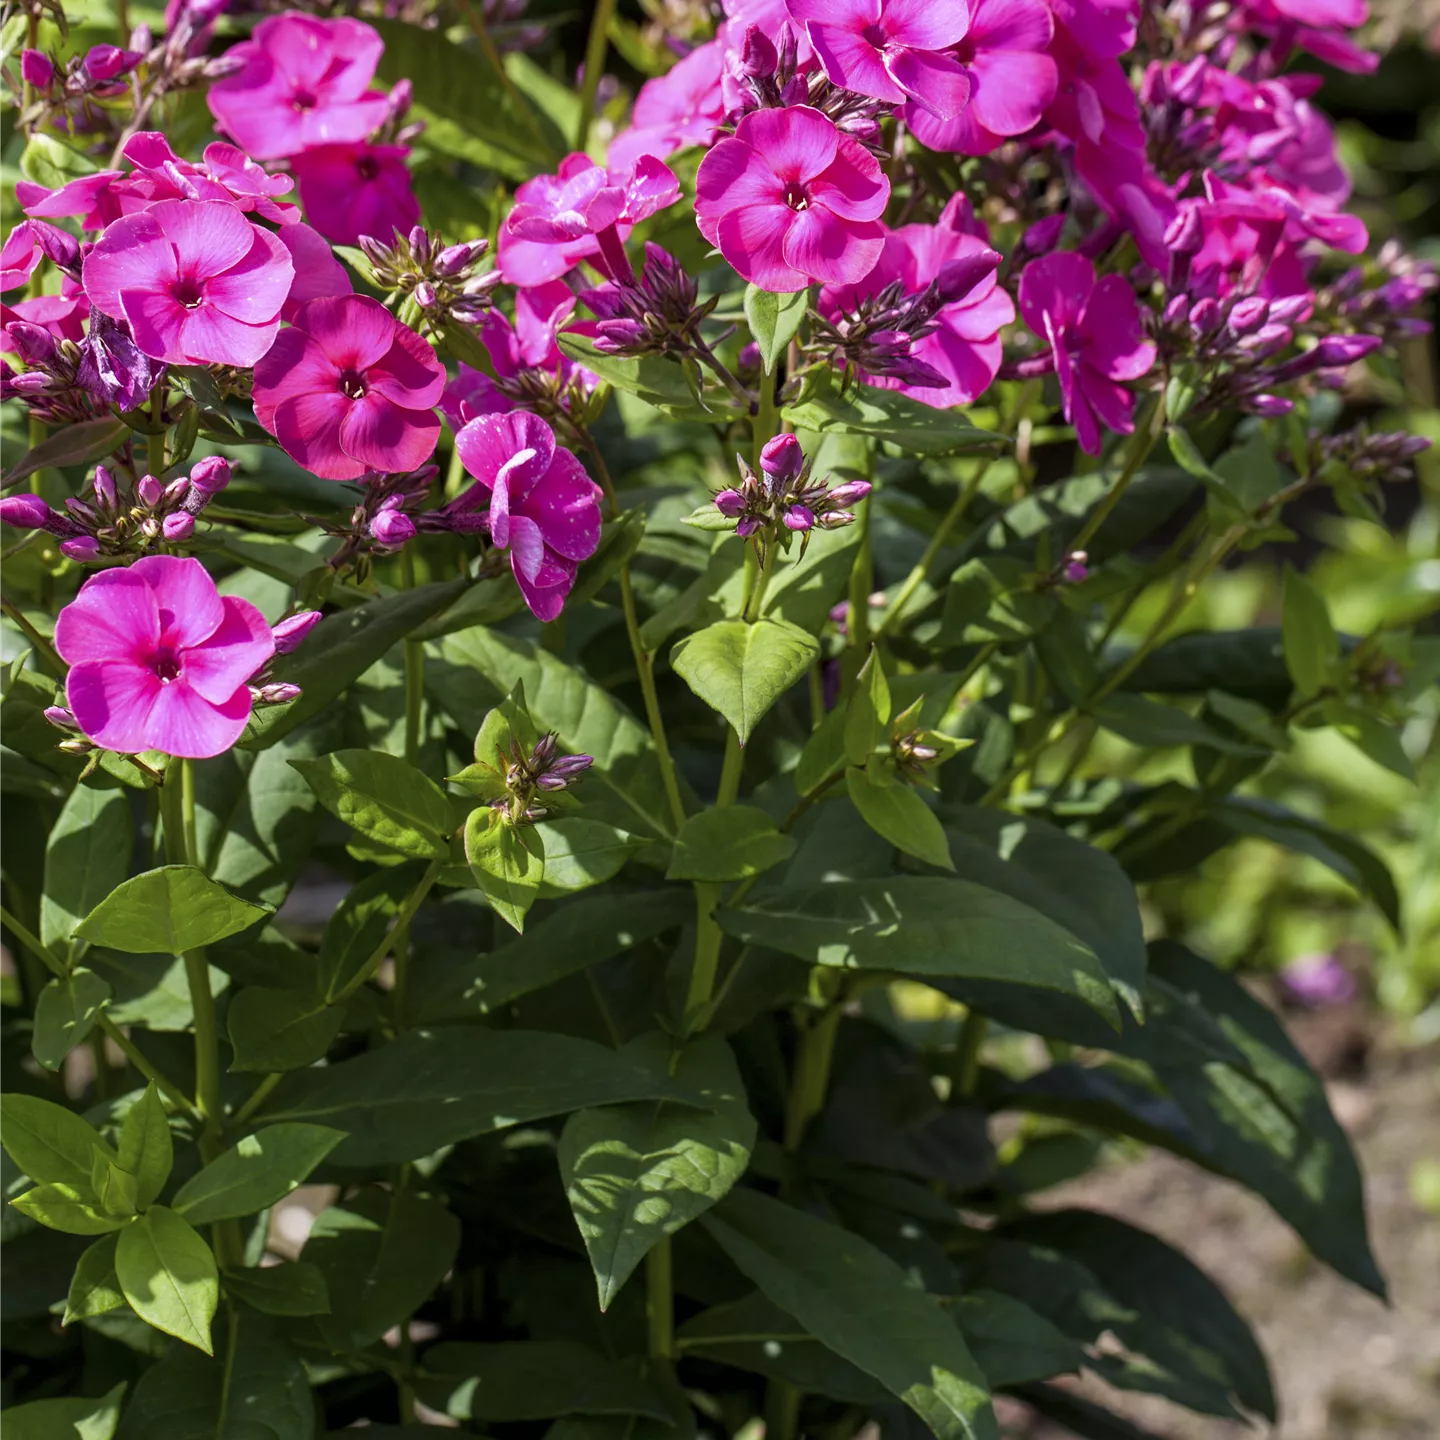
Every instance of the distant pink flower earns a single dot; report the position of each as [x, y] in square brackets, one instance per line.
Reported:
[1012, 78]
[63, 315]
[347, 389]
[197, 281]
[684, 106]
[965, 348]
[790, 201]
[543, 508]
[317, 272]
[159, 660]
[769, 17]
[304, 83]
[891, 49]
[527, 345]
[227, 174]
[583, 212]
[91, 197]
[355, 190]
[1095, 335]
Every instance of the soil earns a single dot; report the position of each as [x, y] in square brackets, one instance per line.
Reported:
[1345, 1366]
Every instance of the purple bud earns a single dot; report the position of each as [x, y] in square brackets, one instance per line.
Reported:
[1187, 84]
[290, 632]
[36, 69]
[1075, 569]
[176, 490]
[61, 718]
[1269, 406]
[799, 517]
[1346, 349]
[179, 526]
[453, 259]
[30, 382]
[782, 458]
[60, 247]
[1204, 315]
[850, 493]
[749, 357]
[1269, 339]
[1184, 235]
[419, 242]
[104, 488]
[1176, 309]
[1043, 235]
[26, 512]
[105, 62]
[35, 345]
[958, 278]
[758, 57]
[425, 295]
[1290, 307]
[748, 525]
[835, 519]
[149, 490]
[210, 475]
[392, 528]
[730, 503]
[279, 693]
[1248, 315]
[83, 549]
[1318, 980]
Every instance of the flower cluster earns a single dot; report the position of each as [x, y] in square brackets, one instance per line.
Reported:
[530, 777]
[444, 281]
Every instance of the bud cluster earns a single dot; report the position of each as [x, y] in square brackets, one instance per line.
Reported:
[385, 520]
[1395, 309]
[288, 635]
[443, 281]
[529, 778]
[113, 523]
[67, 96]
[658, 314]
[784, 499]
[1360, 455]
[66, 381]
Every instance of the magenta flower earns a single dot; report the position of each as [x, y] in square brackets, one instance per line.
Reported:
[965, 347]
[91, 197]
[1012, 78]
[198, 283]
[790, 201]
[1095, 336]
[19, 256]
[317, 272]
[303, 83]
[227, 174]
[891, 49]
[543, 508]
[347, 389]
[584, 211]
[159, 660]
[354, 190]
[684, 106]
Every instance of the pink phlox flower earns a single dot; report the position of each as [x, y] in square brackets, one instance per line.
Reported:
[789, 201]
[685, 106]
[354, 190]
[770, 17]
[1096, 337]
[1317, 26]
[1012, 78]
[197, 282]
[891, 50]
[19, 256]
[347, 389]
[93, 198]
[227, 174]
[1269, 206]
[63, 315]
[559, 220]
[527, 345]
[304, 82]
[159, 660]
[1102, 28]
[965, 347]
[542, 507]
[317, 272]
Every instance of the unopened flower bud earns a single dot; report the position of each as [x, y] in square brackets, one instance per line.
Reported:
[178, 526]
[402, 92]
[1249, 315]
[958, 278]
[105, 62]
[1347, 349]
[82, 549]
[1204, 315]
[280, 693]
[1269, 406]
[61, 718]
[758, 57]
[799, 517]
[1290, 308]
[782, 458]
[26, 512]
[210, 475]
[836, 519]
[33, 343]
[290, 632]
[850, 493]
[727, 502]
[36, 69]
[454, 258]
[1184, 235]
[392, 528]
[1042, 237]
[149, 490]
[425, 295]
[1075, 569]
[104, 486]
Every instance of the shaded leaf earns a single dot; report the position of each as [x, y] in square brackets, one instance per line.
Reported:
[65, 1013]
[732, 842]
[741, 669]
[168, 911]
[168, 1275]
[255, 1173]
[280, 1029]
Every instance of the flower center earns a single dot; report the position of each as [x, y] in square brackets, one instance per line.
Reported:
[352, 383]
[166, 666]
[796, 197]
[875, 35]
[186, 292]
[366, 168]
[302, 100]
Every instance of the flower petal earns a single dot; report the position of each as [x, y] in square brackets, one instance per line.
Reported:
[209, 236]
[833, 251]
[185, 597]
[489, 443]
[308, 426]
[852, 62]
[387, 436]
[797, 142]
[1056, 285]
[293, 365]
[112, 700]
[408, 373]
[254, 289]
[753, 239]
[182, 722]
[132, 254]
[853, 185]
[157, 323]
[114, 616]
[731, 176]
[545, 595]
[937, 82]
[226, 659]
[211, 337]
[1011, 89]
[926, 24]
[354, 331]
[565, 506]
[527, 547]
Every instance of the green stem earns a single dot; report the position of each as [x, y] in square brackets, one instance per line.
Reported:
[406, 913]
[595, 48]
[258, 1096]
[32, 39]
[187, 812]
[660, 1300]
[755, 597]
[476, 19]
[645, 668]
[765, 424]
[1140, 447]
[155, 454]
[31, 941]
[45, 652]
[811, 1080]
[972, 1041]
[414, 672]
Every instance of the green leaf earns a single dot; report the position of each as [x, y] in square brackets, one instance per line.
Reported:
[72, 1208]
[774, 321]
[742, 669]
[732, 842]
[862, 1305]
[636, 1173]
[280, 1029]
[536, 1380]
[94, 1288]
[381, 1255]
[168, 1275]
[917, 428]
[429, 1088]
[479, 668]
[1080, 1417]
[824, 752]
[1311, 644]
[1154, 726]
[51, 163]
[384, 798]
[295, 1288]
[993, 598]
[659, 382]
[361, 923]
[340, 649]
[255, 1390]
[581, 852]
[1248, 663]
[867, 711]
[146, 1149]
[1011, 1343]
[67, 1418]
[86, 857]
[897, 813]
[925, 926]
[80, 444]
[65, 1013]
[259, 1170]
[168, 911]
[48, 1142]
[570, 938]
[507, 861]
[116, 1190]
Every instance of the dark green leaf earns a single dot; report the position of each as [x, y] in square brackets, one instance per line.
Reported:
[384, 798]
[168, 911]
[360, 925]
[742, 669]
[897, 813]
[1011, 1343]
[732, 842]
[80, 444]
[86, 857]
[259, 1170]
[67, 1418]
[168, 1275]
[280, 1029]
[581, 852]
[295, 1288]
[1311, 644]
[65, 1013]
[1081, 1417]
[917, 428]
[1154, 726]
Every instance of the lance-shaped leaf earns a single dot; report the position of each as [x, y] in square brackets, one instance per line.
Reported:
[384, 798]
[774, 320]
[146, 1150]
[259, 1170]
[741, 669]
[507, 861]
[168, 1275]
[48, 1142]
[65, 1013]
[66, 1418]
[86, 857]
[731, 842]
[892, 809]
[168, 911]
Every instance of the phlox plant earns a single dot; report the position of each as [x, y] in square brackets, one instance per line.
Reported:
[598, 676]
